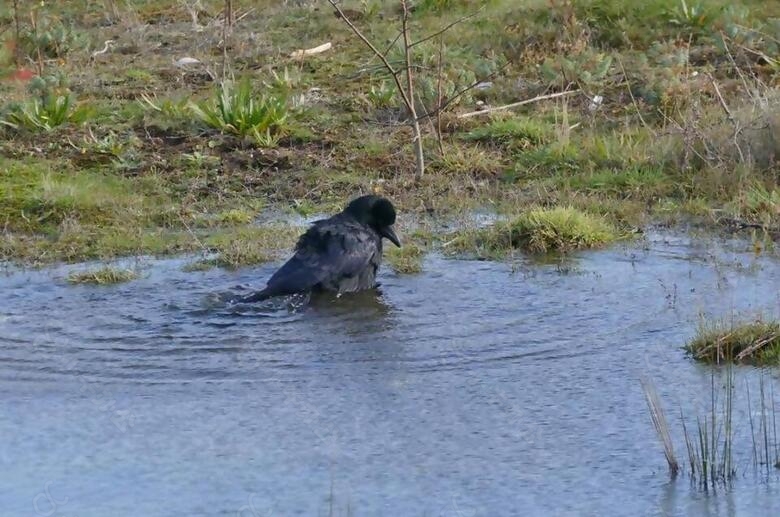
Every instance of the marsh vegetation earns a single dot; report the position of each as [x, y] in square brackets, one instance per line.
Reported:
[756, 342]
[184, 128]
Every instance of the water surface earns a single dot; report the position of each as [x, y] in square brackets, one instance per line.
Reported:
[474, 388]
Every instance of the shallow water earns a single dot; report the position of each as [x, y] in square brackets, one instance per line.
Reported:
[470, 389]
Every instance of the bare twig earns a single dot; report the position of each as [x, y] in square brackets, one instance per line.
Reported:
[229, 17]
[734, 64]
[418, 147]
[17, 35]
[633, 99]
[431, 121]
[521, 103]
[455, 96]
[737, 128]
[392, 43]
[34, 23]
[227, 26]
[407, 91]
[438, 99]
[376, 52]
[720, 97]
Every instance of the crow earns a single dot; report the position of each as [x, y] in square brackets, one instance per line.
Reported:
[340, 254]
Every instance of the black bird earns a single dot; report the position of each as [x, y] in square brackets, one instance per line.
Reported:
[340, 254]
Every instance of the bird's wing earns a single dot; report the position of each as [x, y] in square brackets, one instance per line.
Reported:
[327, 252]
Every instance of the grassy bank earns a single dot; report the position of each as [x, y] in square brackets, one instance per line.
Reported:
[673, 115]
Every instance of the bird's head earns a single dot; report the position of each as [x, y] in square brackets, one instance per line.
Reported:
[377, 212]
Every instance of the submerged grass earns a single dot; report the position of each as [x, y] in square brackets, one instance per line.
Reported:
[102, 276]
[710, 443]
[756, 342]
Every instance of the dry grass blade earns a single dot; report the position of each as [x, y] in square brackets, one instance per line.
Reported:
[660, 424]
[757, 346]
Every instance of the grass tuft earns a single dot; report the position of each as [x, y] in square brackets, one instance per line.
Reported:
[756, 342]
[406, 260]
[518, 133]
[246, 246]
[102, 276]
[542, 230]
[235, 109]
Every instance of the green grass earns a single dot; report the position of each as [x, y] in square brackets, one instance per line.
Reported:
[40, 195]
[514, 133]
[755, 342]
[407, 259]
[638, 182]
[102, 276]
[246, 246]
[154, 158]
[541, 230]
[43, 114]
[236, 109]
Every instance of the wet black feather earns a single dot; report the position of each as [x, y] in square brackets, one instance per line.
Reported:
[340, 254]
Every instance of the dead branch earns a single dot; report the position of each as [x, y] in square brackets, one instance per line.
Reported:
[17, 35]
[731, 117]
[460, 93]
[311, 51]
[758, 345]
[418, 148]
[439, 99]
[521, 103]
[376, 52]
[392, 43]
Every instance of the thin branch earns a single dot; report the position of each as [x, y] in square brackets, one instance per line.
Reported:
[737, 129]
[376, 52]
[446, 28]
[17, 35]
[430, 120]
[521, 103]
[438, 98]
[736, 67]
[457, 95]
[633, 99]
[408, 55]
[392, 43]
[417, 141]
[720, 98]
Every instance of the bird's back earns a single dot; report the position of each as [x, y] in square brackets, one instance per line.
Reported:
[336, 254]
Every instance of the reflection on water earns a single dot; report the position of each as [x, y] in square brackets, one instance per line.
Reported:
[467, 390]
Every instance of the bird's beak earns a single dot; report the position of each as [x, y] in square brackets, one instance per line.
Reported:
[389, 232]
